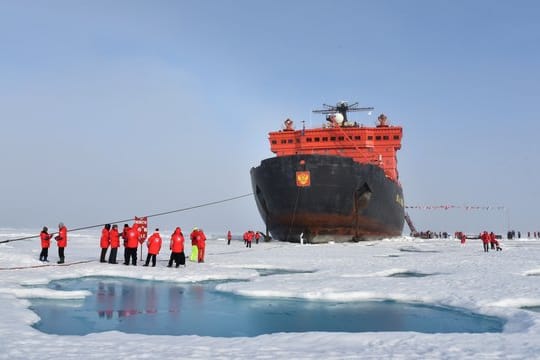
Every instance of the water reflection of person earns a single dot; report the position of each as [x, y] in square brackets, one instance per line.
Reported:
[100, 298]
[198, 290]
[127, 301]
[109, 301]
[105, 300]
[175, 298]
[151, 300]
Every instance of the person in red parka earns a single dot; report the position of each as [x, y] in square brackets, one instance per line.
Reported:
[201, 245]
[131, 244]
[104, 242]
[257, 237]
[61, 241]
[154, 245]
[492, 240]
[114, 237]
[45, 243]
[485, 240]
[249, 238]
[194, 236]
[125, 237]
[229, 237]
[177, 248]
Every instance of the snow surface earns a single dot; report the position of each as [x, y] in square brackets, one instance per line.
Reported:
[463, 276]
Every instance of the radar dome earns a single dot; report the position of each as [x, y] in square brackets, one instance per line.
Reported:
[339, 118]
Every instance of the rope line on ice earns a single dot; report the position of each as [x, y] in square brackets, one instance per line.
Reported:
[44, 265]
[131, 219]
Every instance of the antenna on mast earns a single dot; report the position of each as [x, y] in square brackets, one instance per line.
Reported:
[342, 108]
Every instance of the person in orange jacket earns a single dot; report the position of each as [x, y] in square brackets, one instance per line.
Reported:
[249, 238]
[485, 240]
[492, 240]
[61, 242]
[494, 243]
[229, 237]
[114, 237]
[257, 237]
[105, 241]
[125, 237]
[45, 244]
[201, 245]
[177, 248]
[131, 244]
[154, 245]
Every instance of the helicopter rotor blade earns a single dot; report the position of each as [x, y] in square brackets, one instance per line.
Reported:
[324, 111]
[361, 109]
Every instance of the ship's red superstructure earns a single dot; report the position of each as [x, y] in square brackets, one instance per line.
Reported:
[375, 145]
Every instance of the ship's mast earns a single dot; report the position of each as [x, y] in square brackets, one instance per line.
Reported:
[342, 108]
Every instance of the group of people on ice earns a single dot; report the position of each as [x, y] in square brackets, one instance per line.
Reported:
[110, 238]
[130, 235]
[61, 242]
[490, 239]
[249, 236]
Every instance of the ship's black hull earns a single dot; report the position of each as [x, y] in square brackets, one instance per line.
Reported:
[345, 201]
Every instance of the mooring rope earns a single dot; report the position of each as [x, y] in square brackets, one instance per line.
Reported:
[131, 219]
[45, 265]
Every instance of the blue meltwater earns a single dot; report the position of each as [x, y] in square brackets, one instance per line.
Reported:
[166, 308]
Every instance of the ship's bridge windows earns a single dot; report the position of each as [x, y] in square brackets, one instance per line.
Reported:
[317, 139]
[274, 142]
[377, 138]
[341, 138]
[385, 137]
[325, 138]
[290, 141]
[396, 137]
[309, 139]
[332, 138]
[357, 137]
[370, 137]
[283, 141]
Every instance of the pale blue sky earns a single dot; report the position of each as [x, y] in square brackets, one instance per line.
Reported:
[111, 109]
